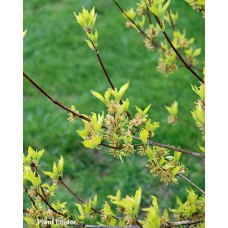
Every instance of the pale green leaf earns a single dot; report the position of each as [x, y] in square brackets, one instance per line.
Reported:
[89, 43]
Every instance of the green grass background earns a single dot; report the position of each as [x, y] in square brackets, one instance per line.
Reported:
[58, 59]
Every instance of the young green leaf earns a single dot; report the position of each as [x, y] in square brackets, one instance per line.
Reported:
[90, 45]
[144, 134]
[60, 166]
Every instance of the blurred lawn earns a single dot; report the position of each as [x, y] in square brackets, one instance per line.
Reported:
[58, 59]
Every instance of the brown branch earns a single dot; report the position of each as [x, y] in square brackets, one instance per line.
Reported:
[189, 181]
[87, 119]
[196, 154]
[106, 73]
[47, 203]
[53, 100]
[72, 193]
[103, 67]
[31, 199]
[112, 147]
[167, 38]
[177, 53]
[132, 21]
[77, 197]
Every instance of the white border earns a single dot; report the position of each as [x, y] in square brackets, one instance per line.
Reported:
[11, 103]
[216, 113]
[11, 113]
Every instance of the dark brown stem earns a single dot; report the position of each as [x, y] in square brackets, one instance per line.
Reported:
[132, 21]
[31, 199]
[47, 203]
[178, 54]
[138, 223]
[196, 154]
[167, 38]
[53, 100]
[171, 20]
[45, 197]
[113, 147]
[103, 67]
[87, 119]
[189, 181]
[78, 198]
[106, 73]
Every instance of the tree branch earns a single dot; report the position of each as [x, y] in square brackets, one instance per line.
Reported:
[196, 154]
[177, 53]
[132, 21]
[26, 190]
[72, 193]
[189, 67]
[103, 67]
[47, 203]
[87, 119]
[53, 100]
[76, 197]
[189, 181]
[106, 73]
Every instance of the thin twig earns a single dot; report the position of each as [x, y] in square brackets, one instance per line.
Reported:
[53, 100]
[106, 74]
[47, 203]
[87, 119]
[196, 154]
[189, 181]
[103, 67]
[177, 53]
[132, 21]
[31, 199]
[188, 66]
[77, 197]
[112, 147]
